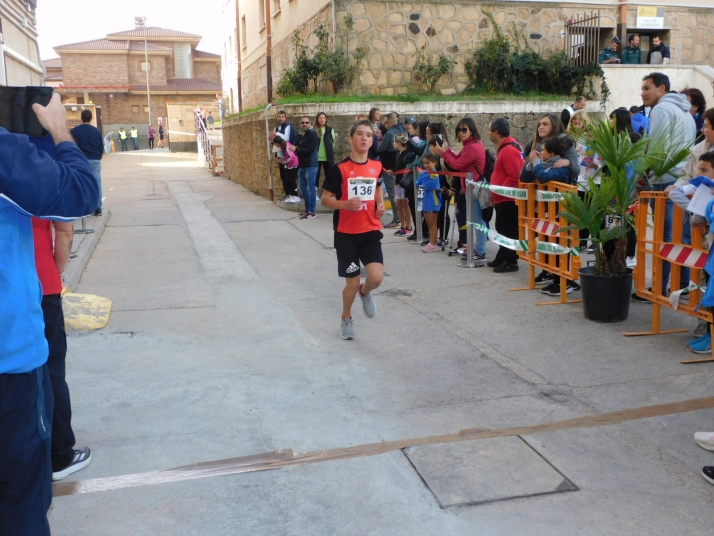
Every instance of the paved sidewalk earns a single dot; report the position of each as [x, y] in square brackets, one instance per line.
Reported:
[223, 342]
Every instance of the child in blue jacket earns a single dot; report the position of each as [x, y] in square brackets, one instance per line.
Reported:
[541, 169]
[429, 186]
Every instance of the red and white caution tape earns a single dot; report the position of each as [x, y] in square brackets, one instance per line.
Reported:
[687, 256]
[546, 227]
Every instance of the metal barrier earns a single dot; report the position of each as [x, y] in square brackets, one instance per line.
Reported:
[679, 255]
[538, 223]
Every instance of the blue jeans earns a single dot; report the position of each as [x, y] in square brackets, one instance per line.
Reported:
[97, 170]
[686, 237]
[478, 218]
[306, 176]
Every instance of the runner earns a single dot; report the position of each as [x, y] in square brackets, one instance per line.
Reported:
[357, 223]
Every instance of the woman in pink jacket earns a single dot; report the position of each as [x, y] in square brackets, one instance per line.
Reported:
[472, 157]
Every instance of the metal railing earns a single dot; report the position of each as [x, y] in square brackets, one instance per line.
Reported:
[582, 39]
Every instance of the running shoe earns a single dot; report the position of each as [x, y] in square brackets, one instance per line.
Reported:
[369, 308]
[573, 287]
[429, 248]
[697, 340]
[544, 278]
[708, 474]
[408, 232]
[704, 346]
[701, 329]
[479, 257]
[308, 216]
[705, 440]
[81, 459]
[400, 232]
[506, 267]
[461, 250]
[424, 242]
[442, 242]
[640, 299]
[347, 329]
[412, 238]
[554, 289]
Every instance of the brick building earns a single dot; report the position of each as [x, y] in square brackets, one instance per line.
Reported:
[111, 73]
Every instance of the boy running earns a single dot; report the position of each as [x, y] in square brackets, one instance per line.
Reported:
[353, 188]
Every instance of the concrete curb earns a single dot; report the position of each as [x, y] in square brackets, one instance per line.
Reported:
[84, 247]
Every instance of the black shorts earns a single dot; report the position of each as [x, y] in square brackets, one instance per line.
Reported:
[353, 248]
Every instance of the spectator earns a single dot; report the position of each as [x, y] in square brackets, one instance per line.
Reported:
[589, 164]
[471, 158]
[659, 53]
[429, 183]
[416, 147]
[690, 169]
[640, 123]
[388, 156]
[108, 142]
[210, 120]
[161, 136]
[122, 138]
[402, 182]
[579, 104]
[326, 152]
[287, 132]
[151, 134]
[699, 106]
[306, 145]
[609, 54]
[374, 117]
[288, 160]
[51, 257]
[134, 134]
[89, 140]
[632, 54]
[506, 172]
[221, 102]
[670, 122]
[63, 187]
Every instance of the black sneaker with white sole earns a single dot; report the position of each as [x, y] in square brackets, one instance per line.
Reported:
[81, 459]
[544, 278]
[640, 299]
[708, 474]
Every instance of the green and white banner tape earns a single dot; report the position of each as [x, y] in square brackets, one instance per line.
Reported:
[548, 196]
[675, 296]
[510, 243]
[513, 193]
[555, 249]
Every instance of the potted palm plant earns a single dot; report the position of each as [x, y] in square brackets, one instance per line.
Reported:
[605, 211]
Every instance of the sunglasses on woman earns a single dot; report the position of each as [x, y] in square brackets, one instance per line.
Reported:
[463, 130]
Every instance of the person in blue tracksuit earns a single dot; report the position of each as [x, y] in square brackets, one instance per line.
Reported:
[63, 188]
[429, 185]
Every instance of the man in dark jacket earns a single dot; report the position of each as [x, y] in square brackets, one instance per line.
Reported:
[31, 183]
[90, 142]
[609, 54]
[286, 131]
[579, 104]
[659, 53]
[306, 145]
[388, 157]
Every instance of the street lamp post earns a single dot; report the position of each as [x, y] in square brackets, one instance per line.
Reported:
[141, 23]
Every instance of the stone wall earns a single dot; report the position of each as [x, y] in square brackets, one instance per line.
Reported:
[244, 138]
[394, 32]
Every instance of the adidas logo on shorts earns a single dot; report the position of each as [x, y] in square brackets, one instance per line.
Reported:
[352, 268]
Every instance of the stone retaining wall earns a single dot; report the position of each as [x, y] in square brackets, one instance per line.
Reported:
[245, 149]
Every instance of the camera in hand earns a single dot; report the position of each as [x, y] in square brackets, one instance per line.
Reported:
[16, 113]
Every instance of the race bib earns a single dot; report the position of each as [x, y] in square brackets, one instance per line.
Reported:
[420, 199]
[362, 187]
[612, 221]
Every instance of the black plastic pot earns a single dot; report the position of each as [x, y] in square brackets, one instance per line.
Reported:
[605, 298]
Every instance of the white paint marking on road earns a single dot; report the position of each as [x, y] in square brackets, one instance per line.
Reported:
[217, 253]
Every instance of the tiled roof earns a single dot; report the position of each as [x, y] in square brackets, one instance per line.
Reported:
[54, 63]
[183, 84]
[54, 77]
[153, 31]
[106, 44]
[202, 54]
[96, 44]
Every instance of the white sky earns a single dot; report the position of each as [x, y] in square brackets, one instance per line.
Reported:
[69, 21]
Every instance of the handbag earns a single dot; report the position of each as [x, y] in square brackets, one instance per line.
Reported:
[482, 194]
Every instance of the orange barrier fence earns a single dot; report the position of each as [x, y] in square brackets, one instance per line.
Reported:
[538, 223]
[654, 249]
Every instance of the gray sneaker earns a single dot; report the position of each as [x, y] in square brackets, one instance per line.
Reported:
[369, 308]
[347, 329]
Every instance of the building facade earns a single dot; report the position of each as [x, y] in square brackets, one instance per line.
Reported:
[19, 55]
[111, 73]
[261, 37]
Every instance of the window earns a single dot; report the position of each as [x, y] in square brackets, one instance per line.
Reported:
[135, 109]
[145, 66]
[243, 42]
[146, 109]
[261, 7]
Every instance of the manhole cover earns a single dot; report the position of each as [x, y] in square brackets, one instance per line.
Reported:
[483, 471]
